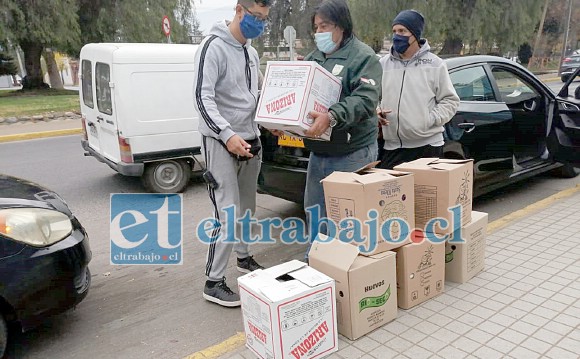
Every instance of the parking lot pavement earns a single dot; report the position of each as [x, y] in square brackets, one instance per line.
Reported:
[525, 304]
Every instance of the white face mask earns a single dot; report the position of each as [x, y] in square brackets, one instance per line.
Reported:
[324, 42]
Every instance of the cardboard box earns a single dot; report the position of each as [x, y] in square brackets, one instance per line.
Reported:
[420, 272]
[439, 185]
[354, 194]
[366, 286]
[289, 312]
[290, 91]
[464, 260]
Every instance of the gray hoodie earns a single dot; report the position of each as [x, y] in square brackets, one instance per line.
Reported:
[421, 96]
[226, 86]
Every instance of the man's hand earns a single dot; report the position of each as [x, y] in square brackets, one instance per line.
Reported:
[277, 133]
[382, 114]
[238, 146]
[320, 125]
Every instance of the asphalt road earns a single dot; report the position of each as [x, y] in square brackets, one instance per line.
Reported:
[158, 311]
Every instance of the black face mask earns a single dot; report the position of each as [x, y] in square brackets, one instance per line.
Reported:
[401, 43]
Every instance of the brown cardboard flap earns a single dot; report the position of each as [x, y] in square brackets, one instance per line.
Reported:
[382, 255]
[368, 167]
[446, 160]
[363, 177]
[333, 252]
[441, 164]
[338, 177]
[417, 164]
[369, 177]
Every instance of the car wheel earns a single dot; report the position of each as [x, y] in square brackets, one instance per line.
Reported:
[171, 176]
[3, 336]
[565, 171]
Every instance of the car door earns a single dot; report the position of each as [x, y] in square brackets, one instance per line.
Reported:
[88, 109]
[483, 124]
[528, 103]
[106, 118]
[564, 127]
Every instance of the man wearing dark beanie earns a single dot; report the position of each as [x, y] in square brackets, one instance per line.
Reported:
[418, 98]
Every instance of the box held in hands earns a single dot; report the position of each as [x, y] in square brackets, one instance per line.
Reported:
[292, 89]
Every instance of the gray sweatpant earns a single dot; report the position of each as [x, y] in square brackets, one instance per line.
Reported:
[237, 186]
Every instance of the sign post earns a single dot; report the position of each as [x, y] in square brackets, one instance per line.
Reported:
[166, 28]
[290, 37]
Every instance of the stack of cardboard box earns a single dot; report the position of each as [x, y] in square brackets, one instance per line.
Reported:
[434, 197]
[444, 189]
[400, 234]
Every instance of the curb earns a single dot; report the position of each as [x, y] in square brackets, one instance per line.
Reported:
[227, 346]
[237, 341]
[534, 207]
[34, 135]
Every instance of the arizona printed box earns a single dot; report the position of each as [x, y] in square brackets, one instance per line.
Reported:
[289, 312]
[292, 89]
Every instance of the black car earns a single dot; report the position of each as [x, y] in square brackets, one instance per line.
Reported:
[44, 256]
[568, 66]
[511, 124]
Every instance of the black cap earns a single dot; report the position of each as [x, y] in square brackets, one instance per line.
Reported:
[412, 20]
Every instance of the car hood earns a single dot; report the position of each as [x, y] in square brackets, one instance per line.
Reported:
[18, 193]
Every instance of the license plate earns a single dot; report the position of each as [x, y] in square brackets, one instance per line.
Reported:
[290, 141]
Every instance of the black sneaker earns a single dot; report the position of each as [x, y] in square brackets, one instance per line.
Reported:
[248, 264]
[220, 293]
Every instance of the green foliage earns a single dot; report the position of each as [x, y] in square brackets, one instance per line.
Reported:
[136, 20]
[7, 65]
[484, 24]
[51, 23]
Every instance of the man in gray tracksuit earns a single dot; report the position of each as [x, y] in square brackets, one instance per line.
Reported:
[226, 94]
[418, 95]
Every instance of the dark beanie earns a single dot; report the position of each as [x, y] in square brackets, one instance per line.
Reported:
[412, 20]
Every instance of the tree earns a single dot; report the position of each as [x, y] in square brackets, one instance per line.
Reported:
[525, 53]
[297, 13]
[7, 65]
[35, 25]
[135, 20]
[372, 19]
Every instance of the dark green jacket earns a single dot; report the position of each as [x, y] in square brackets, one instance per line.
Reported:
[361, 76]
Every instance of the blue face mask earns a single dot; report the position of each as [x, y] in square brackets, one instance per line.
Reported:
[251, 27]
[324, 42]
[401, 43]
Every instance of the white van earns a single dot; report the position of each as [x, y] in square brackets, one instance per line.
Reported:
[138, 112]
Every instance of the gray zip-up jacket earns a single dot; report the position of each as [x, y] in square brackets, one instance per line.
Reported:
[226, 86]
[421, 96]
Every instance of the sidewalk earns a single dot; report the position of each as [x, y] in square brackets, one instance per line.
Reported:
[525, 304]
[29, 130]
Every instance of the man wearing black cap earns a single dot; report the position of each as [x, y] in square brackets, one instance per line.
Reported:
[418, 97]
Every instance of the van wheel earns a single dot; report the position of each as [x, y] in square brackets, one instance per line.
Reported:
[3, 336]
[171, 176]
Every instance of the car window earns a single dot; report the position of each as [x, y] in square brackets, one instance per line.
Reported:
[87, 77]
[103, 77]
[472, 84]
[513, 88]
